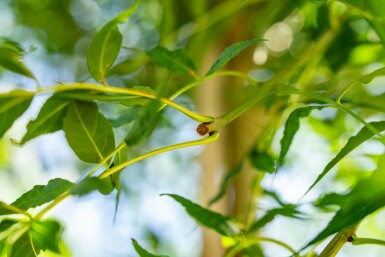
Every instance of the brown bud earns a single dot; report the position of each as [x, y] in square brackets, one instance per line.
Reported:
[350, 239]
[202, 129]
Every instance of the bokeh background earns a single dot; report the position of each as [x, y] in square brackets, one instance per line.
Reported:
[56, 34]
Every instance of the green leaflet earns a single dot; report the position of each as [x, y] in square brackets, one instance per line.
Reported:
[6, 224]
[231, 52]
[41, 194]
[262, 161]
[49, 119]
[225, 183]
[176, 61]
[363, 135]
[10, 59]
[12, 107]
[216, 221]
[142, 252]
[45, 235]
[291, 128]
[105, 45]
[365, 198]
[88, 132]
[103, 50]
[23, 247]
[89, 184]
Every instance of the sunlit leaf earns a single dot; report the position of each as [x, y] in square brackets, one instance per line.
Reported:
[23, 247]
[11, 108]
[291, 128]
[363, 135]
[105, 45]
[230, 176]
[87, 185]
[10, 59]
[103, 50]
[231, 52]
[41, 194]
[216, 221]
[49, 119]
[88, 132]
[45, 235]
[142, 252]
[176, 61]
[365, 198]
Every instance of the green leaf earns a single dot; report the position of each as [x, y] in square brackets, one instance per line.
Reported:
[5, 209]
[10, 59]
[89, 184]
[142, 252]
[3, 247]
[231, 52]
[23, 247]
[45, 235]
[49, 119]
[105, 45]
[41, 194]
[88, 132]
[262, 161]
[365, 198]
[363, 135]
[124, 15]
[216, 221]
[12, 107]
[144, 124]
[6, 224]
[103, 50]
[287, 211]
[176, 61]
[291, 128]
[230, 176]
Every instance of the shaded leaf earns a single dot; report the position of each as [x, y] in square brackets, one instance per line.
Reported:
[103, 50]
[216, 221]
[176, 61]
[45, 235]
[363, 135]
[6, 224]
[365, 198]
[89, 184]
[12, 107]
[10, 59]
[126, 117]
[291, 128]
[332, 199]
[142, 252]
[231, 52]
[88, 132]
[287, 211]
[23, 247]
[41, 194]
[49, 119]
[230, 176]
[5, 209]
[144, 124]
[262, 161]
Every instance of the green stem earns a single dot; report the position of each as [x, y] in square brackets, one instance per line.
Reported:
[364, 241]
[257, 240]
[335, 245]
[51, 205]
[214, 136]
